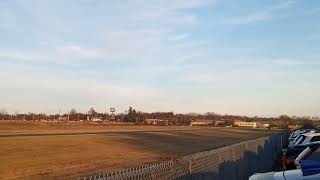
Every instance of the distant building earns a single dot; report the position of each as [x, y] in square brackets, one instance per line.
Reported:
[96, 119]
[202, 122]
[246, 124]
[63, 119]
[162, 122]
[220, 123]
[251, 124]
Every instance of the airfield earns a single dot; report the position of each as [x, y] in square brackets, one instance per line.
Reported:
[38, 150]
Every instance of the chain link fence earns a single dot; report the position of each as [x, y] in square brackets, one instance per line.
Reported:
[237, 161]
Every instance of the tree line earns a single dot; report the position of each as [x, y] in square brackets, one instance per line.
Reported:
[131, 115]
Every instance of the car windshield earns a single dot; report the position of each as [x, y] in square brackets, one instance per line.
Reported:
[297, 138]
[315, 139]
[294, 135]
[301, 139]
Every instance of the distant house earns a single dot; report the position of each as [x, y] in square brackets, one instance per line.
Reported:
[265, 125]
[96, 119]
[162, 122]
[202, 122]
[219, 123]
[246, 124]
[63, 119]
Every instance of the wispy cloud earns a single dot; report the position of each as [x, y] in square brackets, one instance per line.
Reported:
[261, 15]
[145, 35]
[67, 89]
[180, 37]
[78, 52]
[313, 11]
[64, 54]
[293, 62]
[154, 55]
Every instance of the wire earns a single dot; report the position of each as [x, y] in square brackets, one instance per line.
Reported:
[284, 175]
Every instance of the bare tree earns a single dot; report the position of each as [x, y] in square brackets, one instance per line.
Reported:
[73, 111]
[73, 114]
[3, 112]
[16, 115]
[92, 111]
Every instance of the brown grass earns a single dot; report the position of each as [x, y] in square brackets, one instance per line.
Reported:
[56, 157]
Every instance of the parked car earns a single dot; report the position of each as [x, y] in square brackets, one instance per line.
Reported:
[297, 134]
[303, 141]
[294, 134]
[307, 139]
[308, 169]
[292, 153]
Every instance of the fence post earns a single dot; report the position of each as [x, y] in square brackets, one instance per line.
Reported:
[234, 156]
[190, 166]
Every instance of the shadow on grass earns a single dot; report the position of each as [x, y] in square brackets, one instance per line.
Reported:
[241, 169]
[182, 143]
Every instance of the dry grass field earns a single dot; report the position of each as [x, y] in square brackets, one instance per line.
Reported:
[70, 156]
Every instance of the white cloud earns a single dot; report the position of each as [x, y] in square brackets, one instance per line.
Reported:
[188, 57]
[7, 17]
[313, 11]
[180, 37]
[65, 54]
[13, 55]
[262, 15]
[138, 30]
[44, 43]
[44, 88]
[78, 52]
[293, 62]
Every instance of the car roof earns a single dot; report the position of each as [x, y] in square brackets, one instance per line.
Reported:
[311, 134]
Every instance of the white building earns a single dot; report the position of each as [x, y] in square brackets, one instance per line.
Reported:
[158, 122]
[220, 123]
[246, 124]
[96, 119]
[201, 122]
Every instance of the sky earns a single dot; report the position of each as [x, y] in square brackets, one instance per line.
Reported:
[224, 56]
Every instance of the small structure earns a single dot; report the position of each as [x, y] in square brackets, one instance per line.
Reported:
[220, 123]
[96, 119]
[265, 125]
[63, 118]
[246, 124]
[202, 122]
[162, 122]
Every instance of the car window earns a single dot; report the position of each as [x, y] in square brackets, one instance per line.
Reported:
[315, 138]
[297, 138]
[295, 135]
[315, 156]
[301, 139]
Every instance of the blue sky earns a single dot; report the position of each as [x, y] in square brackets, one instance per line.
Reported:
[224, 56]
